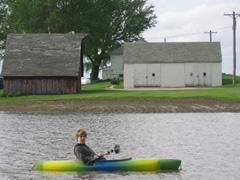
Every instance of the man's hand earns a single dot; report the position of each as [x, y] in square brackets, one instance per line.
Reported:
[99, 155]
[108, 151]
[102, 154]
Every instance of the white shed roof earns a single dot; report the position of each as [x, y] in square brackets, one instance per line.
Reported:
[177, 52]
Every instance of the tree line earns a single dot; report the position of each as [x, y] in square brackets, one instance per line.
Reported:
[109, 23]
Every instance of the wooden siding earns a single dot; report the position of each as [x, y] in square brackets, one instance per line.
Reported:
[41, 85]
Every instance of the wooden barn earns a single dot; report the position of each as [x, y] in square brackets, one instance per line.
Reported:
[43, 63]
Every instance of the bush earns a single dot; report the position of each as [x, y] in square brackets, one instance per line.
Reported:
[14, 94]
[114, 81]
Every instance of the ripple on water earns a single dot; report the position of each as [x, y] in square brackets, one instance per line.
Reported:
[207, 144]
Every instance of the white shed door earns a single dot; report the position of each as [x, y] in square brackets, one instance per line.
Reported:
[140, 75]
[198, 74]
[191, 75]
[205, 74]
[153, 76]
[147, 75]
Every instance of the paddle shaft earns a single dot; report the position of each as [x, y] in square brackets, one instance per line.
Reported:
[116, 150]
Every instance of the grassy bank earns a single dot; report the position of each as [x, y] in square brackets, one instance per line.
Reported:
[100, 89]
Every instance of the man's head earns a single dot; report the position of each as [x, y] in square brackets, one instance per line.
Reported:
[81, 135]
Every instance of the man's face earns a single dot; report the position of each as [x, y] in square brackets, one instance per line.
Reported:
[81, 139]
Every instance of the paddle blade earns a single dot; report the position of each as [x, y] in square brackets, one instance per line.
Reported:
[117, 148]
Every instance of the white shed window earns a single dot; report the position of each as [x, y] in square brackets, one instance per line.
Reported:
[204, 74]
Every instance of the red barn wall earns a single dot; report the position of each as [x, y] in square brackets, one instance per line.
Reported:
[40, 85]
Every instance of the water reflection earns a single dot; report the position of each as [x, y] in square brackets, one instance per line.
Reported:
[205, 143]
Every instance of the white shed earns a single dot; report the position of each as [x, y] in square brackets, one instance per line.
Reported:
[180, 64]
[116, 68]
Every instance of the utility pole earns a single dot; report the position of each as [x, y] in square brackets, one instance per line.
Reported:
[234, 17]
[210, 32]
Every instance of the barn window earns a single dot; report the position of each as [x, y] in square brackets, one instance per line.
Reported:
[153, 74]
[191, 74]
[204, 74]
[120, 75]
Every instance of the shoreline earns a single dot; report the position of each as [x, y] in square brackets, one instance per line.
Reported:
[124, 105]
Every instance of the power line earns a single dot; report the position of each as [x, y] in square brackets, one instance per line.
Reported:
[183, 35]
[236, 5]
[190, 34]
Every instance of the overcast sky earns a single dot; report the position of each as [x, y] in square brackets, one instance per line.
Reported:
[187, 20]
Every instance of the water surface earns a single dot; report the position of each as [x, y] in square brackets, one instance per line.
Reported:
[207, 144]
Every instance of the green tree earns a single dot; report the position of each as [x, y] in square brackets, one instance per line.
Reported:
[3, 24]
[3, 30]
[28, 16]
[109, 23]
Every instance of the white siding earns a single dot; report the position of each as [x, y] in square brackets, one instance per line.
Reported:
[115, 69]
[172, 75]
[106, 73]
[116, 66]
[128, 76]
[216, 74]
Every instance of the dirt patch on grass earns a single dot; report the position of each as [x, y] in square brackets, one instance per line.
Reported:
[131, 105]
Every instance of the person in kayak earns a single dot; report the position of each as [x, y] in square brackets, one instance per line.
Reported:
[83, 152]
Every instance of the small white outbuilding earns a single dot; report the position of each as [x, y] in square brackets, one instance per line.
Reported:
[178, 64]
[116, 68]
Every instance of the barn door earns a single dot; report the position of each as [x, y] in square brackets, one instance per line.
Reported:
[205, 74]
[140, 75]
[153, 76]
[198, 74]
[191, 75]
[147, 75]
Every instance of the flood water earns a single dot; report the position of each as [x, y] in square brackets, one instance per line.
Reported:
[207, 143]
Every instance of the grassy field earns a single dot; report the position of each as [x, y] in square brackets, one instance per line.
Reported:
[100, 89]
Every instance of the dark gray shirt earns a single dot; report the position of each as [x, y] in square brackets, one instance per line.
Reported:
[84, 153]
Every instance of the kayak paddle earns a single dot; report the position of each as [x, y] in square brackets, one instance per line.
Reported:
[116, 149]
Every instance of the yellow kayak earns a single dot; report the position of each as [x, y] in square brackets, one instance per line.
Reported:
[111, 165]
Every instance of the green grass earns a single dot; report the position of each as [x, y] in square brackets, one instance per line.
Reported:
[100, 89]
[119, 86]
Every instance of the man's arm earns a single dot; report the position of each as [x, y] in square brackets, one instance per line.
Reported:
[81, 155]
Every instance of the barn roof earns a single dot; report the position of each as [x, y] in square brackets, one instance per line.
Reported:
[172, 52]
[118, 51]
[42, 55]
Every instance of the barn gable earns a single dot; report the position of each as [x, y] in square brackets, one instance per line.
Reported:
[43, 63]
